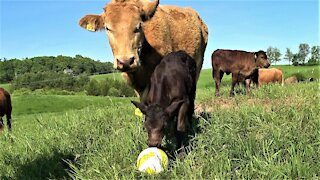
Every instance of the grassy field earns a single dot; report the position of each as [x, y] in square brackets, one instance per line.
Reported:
[274, 133]
[116, 76]
[5, 86]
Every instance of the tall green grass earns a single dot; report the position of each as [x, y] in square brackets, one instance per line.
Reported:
[308, 71]
[34, 104]
[272, 133]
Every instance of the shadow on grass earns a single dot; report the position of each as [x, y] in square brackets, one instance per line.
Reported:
[53, 166]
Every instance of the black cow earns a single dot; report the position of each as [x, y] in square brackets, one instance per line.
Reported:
[172, 93]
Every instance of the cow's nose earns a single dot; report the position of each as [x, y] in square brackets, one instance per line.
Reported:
[153, 143]
[268, 65]
[121, 63]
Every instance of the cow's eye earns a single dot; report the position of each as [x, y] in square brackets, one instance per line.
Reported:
[138, 28]
[106, 27]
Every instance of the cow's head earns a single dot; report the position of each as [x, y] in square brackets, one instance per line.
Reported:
[261, 59]
[123, 22]
[156, 120]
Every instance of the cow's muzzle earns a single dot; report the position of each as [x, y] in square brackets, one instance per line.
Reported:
[125, 65]
[154, 140]
[267, 65]
[154, 143]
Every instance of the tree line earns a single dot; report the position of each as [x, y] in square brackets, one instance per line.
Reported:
[61, 74]
[304, 56]
[61, 82]
[78, 65]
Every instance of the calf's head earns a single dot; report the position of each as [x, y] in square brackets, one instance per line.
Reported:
[261, 59]
[156, 120]
[123, 22]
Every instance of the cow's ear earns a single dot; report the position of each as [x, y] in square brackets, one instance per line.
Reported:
[149, 8]
[173, 107]
[91, 22]
[141, 106]
[255, 56]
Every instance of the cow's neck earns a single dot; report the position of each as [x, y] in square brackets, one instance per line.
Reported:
[140, 78]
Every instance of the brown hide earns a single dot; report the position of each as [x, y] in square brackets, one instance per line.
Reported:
[141, 33]
[241, 64]
[272, 75]
[291, 80]
[5, 108]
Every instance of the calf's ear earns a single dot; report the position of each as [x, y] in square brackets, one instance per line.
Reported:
[141, 106]
[91, 22]
[173, 107]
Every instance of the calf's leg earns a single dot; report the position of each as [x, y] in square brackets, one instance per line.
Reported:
[247, 83]
[181, 123]
[217, 75]
[234, 82]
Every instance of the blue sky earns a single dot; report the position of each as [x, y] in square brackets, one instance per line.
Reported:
[48, 27]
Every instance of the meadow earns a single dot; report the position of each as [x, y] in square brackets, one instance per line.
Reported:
[273, 133]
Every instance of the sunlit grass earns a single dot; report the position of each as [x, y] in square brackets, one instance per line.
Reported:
[272, 133]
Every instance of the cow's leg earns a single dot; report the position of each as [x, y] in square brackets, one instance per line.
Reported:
[257, 84]
[1, 123]
[221, 75]
[9, 121]
[217, 75]
[214, 76]
[247, 83]
[234, 82]
[181, 123]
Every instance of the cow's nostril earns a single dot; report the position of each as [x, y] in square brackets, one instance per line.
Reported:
[131, 60]
[268, 65]
[121, 62]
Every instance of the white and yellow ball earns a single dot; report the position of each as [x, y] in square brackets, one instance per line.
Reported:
[152, 161]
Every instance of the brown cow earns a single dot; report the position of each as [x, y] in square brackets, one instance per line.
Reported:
[241, 64]
[172, 93]
[141, 33]
[5, 108]
[291, 80]
[272, 75]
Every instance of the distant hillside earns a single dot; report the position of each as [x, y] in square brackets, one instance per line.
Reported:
[11, 68]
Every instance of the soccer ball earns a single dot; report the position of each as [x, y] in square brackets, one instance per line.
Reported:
[152, 161]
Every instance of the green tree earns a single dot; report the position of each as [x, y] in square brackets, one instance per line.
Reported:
[295, 59]
[273, 54]
[6, 71]
[315, 55]
[11, 68]
[289, 55]
[304, 51]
